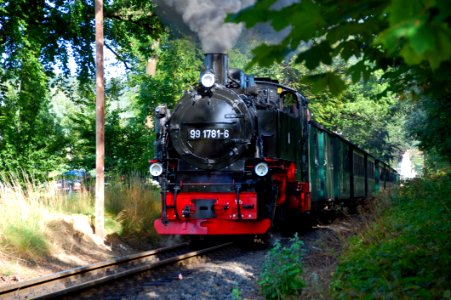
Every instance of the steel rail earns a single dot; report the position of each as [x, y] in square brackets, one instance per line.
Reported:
[54, 285]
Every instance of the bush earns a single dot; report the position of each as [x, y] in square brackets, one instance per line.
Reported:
[282, 271]
[405, 253]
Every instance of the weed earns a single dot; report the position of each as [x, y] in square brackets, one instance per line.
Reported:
[236, 295]
[282, 271]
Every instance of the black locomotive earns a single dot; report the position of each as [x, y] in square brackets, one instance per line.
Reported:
[238, 154]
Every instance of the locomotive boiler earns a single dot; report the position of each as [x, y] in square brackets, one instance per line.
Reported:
[238, 155]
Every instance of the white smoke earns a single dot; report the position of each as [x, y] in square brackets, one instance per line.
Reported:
[206, 19]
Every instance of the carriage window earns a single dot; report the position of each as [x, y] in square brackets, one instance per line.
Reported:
[359, 168]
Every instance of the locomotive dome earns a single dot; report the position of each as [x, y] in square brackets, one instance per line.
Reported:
[212, 128]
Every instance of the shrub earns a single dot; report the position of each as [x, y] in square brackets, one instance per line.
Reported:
[404, 253]
[282, 271]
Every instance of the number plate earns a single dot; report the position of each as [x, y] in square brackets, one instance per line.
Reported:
[214, 134]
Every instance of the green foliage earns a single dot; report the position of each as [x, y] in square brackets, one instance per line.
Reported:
[128, 140]
[179, 64]
[334, 82]
[236, 295]
[128, 145]
[434, 163]
[363, 116]
[79, 121]
[429, 122]
[405, 253]
[409, 41]
[359, 116]
[282, 271]
[415, 31]
[419, 31]
[57, 29]
[39, 37]
[29, 136]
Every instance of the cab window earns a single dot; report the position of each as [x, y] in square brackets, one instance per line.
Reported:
[290, 104]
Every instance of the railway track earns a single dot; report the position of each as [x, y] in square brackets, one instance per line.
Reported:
[77, 279]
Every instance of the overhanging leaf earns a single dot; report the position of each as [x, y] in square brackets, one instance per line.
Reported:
[317, 53]
[328, 80]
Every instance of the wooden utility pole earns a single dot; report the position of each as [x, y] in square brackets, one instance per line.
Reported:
[100, 121]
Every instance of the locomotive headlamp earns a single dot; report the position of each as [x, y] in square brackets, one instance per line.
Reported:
[207, 80]
[261, 169]
[156, 169]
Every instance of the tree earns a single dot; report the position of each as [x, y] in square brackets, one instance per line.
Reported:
[53, 30]
[179, 64]
[408, 40]
[30, 139]
[128, 140]
[359, 113]
[37, 37]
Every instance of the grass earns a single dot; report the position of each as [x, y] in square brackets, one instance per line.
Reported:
[22, 230]
[405, 252]
[27, 206]
[135, 203]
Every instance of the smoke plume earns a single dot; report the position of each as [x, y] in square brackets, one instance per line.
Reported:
[206, 19]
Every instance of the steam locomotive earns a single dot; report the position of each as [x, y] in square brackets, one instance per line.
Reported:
[239, 154]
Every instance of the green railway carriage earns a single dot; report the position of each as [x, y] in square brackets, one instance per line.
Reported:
[340, 171]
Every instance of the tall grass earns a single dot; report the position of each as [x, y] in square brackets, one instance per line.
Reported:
[22, 230]
[135, 202]
[28, 205]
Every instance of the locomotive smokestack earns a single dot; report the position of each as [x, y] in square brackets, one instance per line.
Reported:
[218, 63]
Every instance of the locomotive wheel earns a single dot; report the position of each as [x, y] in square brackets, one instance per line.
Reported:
[198, 241]
[327, 216]
[264, 240]
[259, 241]
[292, 222]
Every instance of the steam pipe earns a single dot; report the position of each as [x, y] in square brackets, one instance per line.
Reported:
[218, 64]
